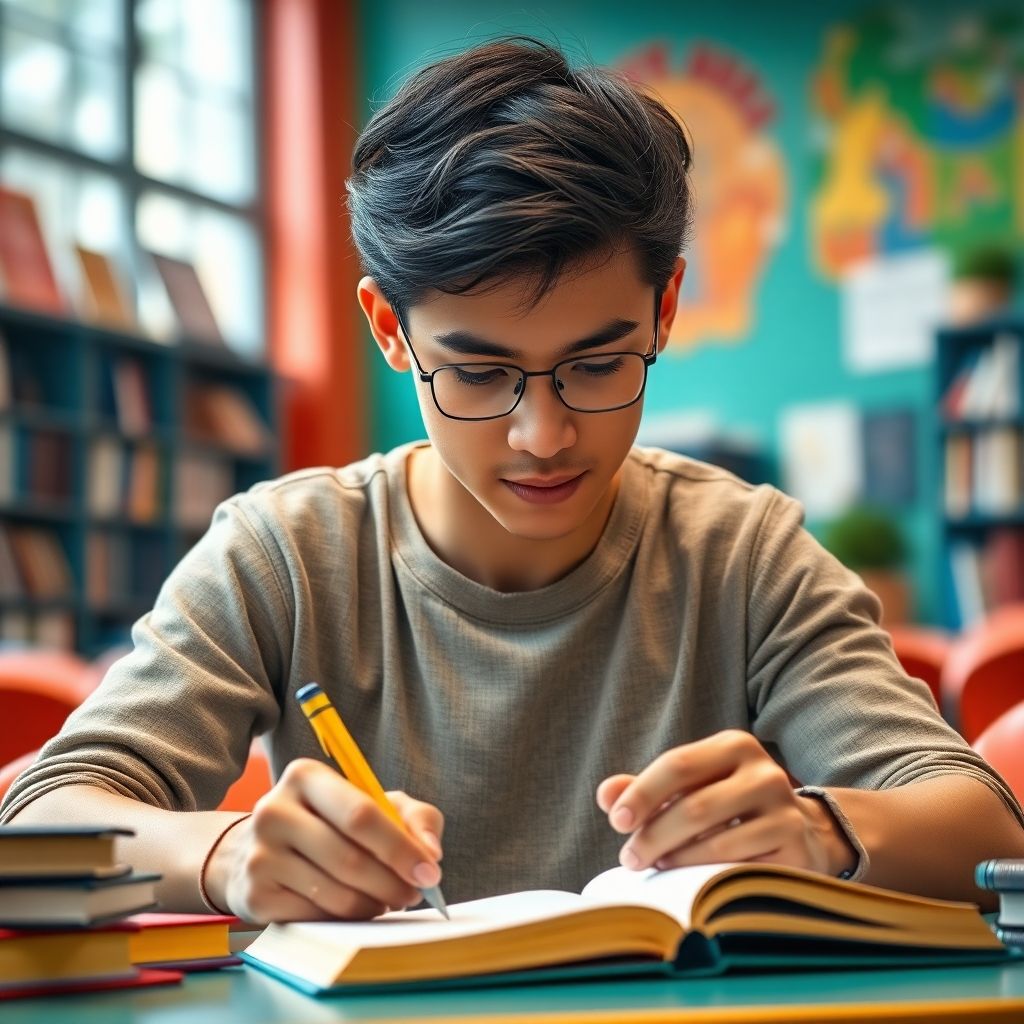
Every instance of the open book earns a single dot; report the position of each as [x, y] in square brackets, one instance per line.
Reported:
[699, 920]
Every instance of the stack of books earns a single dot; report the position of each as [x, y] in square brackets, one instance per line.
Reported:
[1006, 877]
[65, 901]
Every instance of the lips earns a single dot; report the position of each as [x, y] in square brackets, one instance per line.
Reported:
[552, 490]
[544, 481]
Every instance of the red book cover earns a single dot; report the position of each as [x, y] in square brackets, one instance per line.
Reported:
[139, 979]
[25, 270]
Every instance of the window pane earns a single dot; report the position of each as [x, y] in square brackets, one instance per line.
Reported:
[226, 254]
[74, 206]
[220, 163]
[159, 118]
[159, 31]
[217, 43]
[36, 72]
[96, 109]
[96, 21]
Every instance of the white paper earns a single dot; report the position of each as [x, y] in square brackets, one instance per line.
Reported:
[822, 458]
[891, 307]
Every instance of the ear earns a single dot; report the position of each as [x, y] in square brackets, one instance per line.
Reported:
[670, 303]
[383, 324]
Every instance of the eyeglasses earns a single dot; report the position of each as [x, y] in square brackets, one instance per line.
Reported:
[603, 382]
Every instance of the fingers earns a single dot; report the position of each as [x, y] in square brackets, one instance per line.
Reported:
[424, 820]
[611, 789]
[352, 813]
[317, 848]
[340, 859]
[677, 772]
[722, 798]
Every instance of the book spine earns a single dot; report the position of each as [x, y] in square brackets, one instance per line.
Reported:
[999, 874]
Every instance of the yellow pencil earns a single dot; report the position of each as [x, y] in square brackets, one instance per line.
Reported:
[338, 744]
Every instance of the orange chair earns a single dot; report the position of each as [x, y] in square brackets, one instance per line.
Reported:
[922, 652]
[241, 795]
[251, 784]
[984, 672]
[38, 690]
[1002, 745]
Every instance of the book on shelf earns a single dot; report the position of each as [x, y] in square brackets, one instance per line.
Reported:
[10, 575]
[49, 459]
[26, 274]
[686, 921]
[103, 298]
[6, 386]
[201, 483]
[225, 415]
[987, 573]
[42, 563]
[8, 463]
[986, 385]
[188, 299]
[105, 481]
[143, 486]
[53, 629]
[131, 396]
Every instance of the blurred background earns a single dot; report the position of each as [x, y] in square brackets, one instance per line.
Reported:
[178, 316]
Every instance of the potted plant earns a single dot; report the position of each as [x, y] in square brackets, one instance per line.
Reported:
[870, 542]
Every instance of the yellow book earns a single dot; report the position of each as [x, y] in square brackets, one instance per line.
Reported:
[686, 921]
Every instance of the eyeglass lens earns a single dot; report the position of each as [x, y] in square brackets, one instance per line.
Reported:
[588, 384]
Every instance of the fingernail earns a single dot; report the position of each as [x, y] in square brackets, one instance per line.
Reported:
[628, 858]
[432, 843]
[426, 874]
[622, 817]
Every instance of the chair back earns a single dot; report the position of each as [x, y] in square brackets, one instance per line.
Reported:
[251, 784]
[9, 772]
[984, 672]
[922, 652]
[38, 690]
[1002, 745]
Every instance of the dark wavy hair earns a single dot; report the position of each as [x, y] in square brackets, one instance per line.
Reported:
[504, 161]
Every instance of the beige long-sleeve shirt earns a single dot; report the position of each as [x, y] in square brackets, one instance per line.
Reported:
[705, 606]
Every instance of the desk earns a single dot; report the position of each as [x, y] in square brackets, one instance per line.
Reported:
[242, 995]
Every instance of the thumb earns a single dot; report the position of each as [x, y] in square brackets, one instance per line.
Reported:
[424, 821]
[611, 789]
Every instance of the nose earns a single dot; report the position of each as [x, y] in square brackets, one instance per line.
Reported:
[541, 424]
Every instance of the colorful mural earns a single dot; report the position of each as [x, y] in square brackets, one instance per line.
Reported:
[920, 134]
[739, 182]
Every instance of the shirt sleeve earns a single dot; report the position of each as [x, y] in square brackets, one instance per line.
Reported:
[172, 721]
[826, 693]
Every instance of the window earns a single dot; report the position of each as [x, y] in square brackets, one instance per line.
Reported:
[133, 125]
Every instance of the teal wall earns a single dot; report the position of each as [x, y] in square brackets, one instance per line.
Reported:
[793, 354]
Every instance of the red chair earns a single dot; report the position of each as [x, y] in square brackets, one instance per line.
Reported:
[38, 690]
[9, 772]
[984, 673]
[241, 795]
[922, 652]
[1002, 745]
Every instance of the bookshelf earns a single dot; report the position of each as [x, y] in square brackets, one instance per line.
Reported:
[114, 451]
[980, 386]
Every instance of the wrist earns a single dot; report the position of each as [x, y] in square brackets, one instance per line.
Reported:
[215, 872]
[840, 852]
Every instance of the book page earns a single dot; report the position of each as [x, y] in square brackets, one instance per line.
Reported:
[475, 917]
[672, 891]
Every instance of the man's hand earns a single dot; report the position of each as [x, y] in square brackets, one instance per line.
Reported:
[318, 848]
[721, 799]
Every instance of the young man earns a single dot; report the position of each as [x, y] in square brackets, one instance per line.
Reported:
[567, 651]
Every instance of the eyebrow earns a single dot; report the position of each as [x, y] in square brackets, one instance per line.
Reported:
[467, 344]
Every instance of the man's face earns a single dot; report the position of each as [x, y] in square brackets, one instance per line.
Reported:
[542, 470]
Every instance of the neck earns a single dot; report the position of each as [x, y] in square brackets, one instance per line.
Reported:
[461, 532]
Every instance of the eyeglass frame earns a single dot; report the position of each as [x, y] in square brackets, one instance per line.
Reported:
[649, 358]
